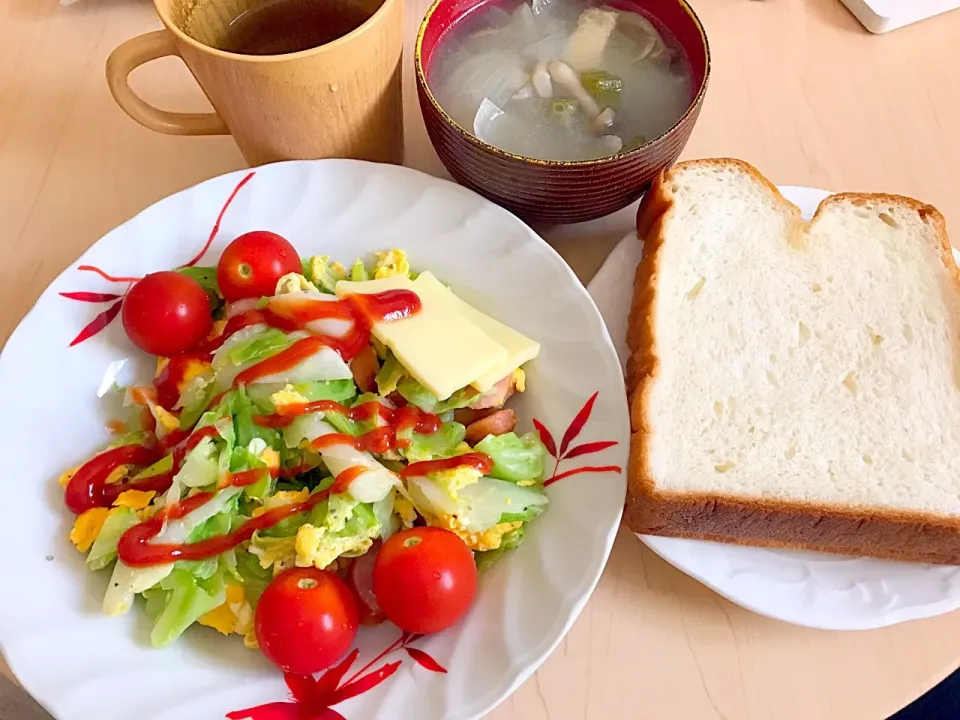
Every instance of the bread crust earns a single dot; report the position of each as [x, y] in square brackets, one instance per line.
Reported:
[876, 532]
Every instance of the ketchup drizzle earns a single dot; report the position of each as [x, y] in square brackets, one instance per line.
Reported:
[88, 488]
[478, 461]
[136, 550]
[404, 419]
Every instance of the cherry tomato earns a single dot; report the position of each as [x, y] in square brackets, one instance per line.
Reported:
[424, 579]
[252, 264]
[166, 313]
[306, 620]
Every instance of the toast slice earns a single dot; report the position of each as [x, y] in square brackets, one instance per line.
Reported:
[794, 384]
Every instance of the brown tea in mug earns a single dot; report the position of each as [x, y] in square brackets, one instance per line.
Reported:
[277, 27]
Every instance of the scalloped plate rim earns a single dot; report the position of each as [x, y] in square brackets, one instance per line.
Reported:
[529, 665]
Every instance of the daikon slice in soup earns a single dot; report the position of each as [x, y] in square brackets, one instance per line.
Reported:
[560, 79]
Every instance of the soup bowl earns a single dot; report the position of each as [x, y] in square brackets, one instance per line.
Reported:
[559, 191]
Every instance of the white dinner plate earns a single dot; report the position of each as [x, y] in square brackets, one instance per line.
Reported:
[82, 665]
[816, 590]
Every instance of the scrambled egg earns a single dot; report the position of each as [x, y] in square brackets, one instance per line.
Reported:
[391, 262]
[234, 616]
[64, 479]
[194, 367]
[87, 526]
[462, 449]
[488, 539]
[405, 510]
[287, 396]
[519, 380]
[217, 329]
[134, 499]
[294, 283]
[269, 456]
[452, 481]
[318, 547]
[326, 273]
[118, 473]
[321, 546]
[165, 419]
[167, 422]
[279, 499]
[278, 553]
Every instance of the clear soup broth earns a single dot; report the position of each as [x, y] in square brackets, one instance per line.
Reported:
[560, 79]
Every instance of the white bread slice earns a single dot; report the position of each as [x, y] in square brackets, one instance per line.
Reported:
[794, 384]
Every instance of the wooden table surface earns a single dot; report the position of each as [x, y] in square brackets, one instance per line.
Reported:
[798, 89]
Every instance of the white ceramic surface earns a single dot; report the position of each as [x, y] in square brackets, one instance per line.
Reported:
[880, 16]
[805, 588]
[81, 664]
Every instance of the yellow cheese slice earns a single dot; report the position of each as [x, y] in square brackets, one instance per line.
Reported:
[519, 347]
[438, 346]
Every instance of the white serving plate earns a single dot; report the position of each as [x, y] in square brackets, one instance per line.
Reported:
[81, 664]
[804, 588]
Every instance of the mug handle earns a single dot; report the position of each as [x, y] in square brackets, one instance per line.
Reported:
[132, 54]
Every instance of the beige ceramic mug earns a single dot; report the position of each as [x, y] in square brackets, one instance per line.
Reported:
[341, 99]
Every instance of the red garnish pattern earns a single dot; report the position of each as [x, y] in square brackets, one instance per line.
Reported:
[91, 296]
[577, 424]
[588, 448]
[313, 698]
[425, 660]
[216, 225]
[98, 323]
[546, 437]
[567, 453]
[106, 317]
[105, 275]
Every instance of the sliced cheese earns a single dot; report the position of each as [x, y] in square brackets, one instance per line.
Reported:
[519, 347]
[438, 346]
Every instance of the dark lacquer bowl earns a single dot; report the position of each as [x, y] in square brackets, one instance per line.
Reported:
[549, 190]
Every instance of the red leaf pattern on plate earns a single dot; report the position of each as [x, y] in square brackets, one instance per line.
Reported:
[270, 711]
[106, 317]
[578, 422]
[327, 684]
[546, 438]
[302, 687]
[216, 225]
[367, 682]
[312, 698]
[571, 433]
[589, 448]
[91, 297]
[585, 468]
[98, 323]
[105, 275]
[425, 660]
